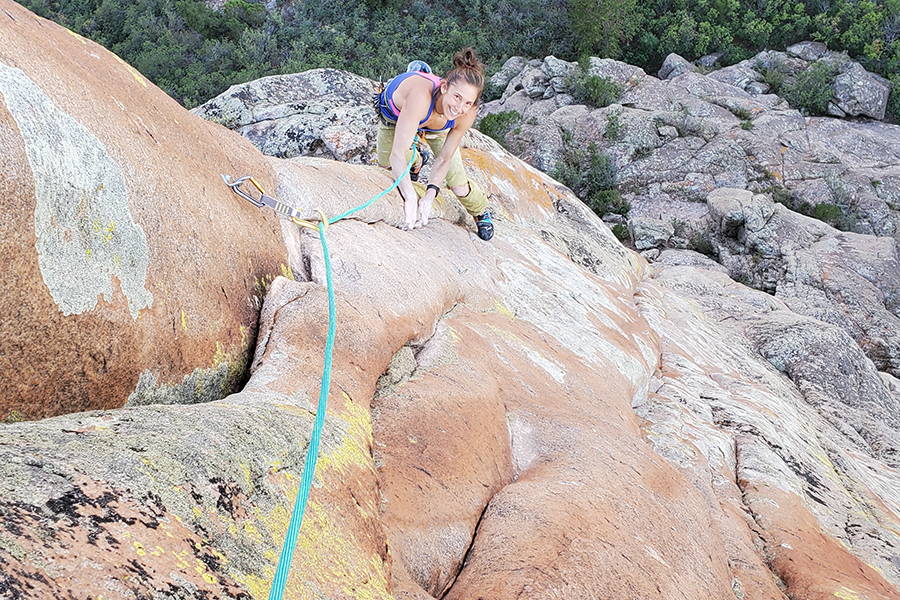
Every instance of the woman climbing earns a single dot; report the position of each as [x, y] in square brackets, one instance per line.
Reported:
[441, 110]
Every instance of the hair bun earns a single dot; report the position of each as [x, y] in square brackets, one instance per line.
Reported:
[467, 67]
[467, 59]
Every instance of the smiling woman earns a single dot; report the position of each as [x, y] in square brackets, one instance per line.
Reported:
[441, 110]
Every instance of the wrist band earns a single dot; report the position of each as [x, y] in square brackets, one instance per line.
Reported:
[437, 189]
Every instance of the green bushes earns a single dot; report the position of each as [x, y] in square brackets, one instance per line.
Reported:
[827, 212]
[194, 53]
[621, 232]
[892, 112]
[593, 90]
[773, 77]
[811, 90]
[498, 125]
[592, 176]
[613, 131]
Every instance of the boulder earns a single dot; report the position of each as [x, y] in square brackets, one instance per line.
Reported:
[534, 82]
[860, 93]
[138, 274]
[673, 66]
[558, 69]
[808, 51]
[650, 233]
[710, 60]
[333, 119]
[621, 73]
[512, 67]
[741, 75]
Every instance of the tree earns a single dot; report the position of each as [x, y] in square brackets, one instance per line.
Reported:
[604, 27]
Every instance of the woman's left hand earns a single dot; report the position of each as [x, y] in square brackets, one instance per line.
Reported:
[425, 206]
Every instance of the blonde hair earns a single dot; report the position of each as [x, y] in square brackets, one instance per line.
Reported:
[467, 68]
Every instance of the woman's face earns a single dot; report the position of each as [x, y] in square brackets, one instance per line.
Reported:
[458, 97]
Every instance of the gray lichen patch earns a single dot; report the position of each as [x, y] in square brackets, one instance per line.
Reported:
[85, 233]
[400, 369]
[201, 385]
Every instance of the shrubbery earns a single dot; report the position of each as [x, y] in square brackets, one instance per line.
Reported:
[591, 89]
[591, 174]
[596, 91]
[893, 107]
[498, 125]
[834, 215]
[194, 53]
[811, 90]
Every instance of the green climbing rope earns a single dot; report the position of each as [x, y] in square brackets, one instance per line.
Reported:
[279, 582]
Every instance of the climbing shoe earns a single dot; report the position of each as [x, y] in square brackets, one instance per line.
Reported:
[485, 225]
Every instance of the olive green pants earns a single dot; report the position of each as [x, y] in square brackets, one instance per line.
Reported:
[475, 202]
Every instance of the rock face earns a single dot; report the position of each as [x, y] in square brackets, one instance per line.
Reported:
[848, 280]
[334, 118]
[542, 416]
[113, 226]
[857, 92]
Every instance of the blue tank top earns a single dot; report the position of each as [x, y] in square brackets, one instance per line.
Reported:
[390, 112]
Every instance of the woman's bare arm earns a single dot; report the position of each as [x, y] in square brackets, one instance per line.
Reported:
[454, 138]
[415, 106]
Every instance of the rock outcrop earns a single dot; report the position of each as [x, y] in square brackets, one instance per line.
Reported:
[847, 280]
[857, 92]
[323, 112]
[674, 141]
[120, 288]
[543, 416]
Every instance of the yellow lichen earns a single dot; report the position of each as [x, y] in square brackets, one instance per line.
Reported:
[847, 594]
[286, 272]
[503, 309]
[220, 356]
[257, 586]
[76, 36]
[134, 73]
[331, 557]
[252, 532]
[245, 469]
[183, 320]
[354, 447]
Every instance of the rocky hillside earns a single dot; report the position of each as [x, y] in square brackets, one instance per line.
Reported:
[543, 416]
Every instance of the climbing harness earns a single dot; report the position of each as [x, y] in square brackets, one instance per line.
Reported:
[276, 592]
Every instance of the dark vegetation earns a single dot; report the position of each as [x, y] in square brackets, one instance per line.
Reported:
[810, 91]
[591, 174]
[194, 53]
[497, 125]
[593, 90]
[843, 218]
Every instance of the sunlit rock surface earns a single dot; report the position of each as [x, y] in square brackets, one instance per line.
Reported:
[542, 416]
[132, 275]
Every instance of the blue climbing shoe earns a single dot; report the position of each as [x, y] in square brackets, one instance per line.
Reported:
[485, 225]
